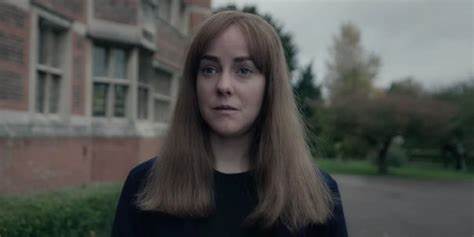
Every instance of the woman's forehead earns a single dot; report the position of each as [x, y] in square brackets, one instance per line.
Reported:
[231, 41]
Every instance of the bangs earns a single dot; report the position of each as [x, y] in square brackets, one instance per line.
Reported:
[251, 27]
[259, 51]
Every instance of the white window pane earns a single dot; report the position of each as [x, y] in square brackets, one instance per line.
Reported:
[145, 67]
[165, 10]
[148, 15]
[161, 111]
[120, 66]
[99, 103]
[162, 82]
[50, 41]
[40, 92]
[142, 103]
[42, 43]
[55, 51]
[54, 94]
[100, 61]
[120, 105]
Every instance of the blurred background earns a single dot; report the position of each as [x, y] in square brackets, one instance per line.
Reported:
[385, 87]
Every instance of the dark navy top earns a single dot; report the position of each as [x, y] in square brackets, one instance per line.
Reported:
[235, 198]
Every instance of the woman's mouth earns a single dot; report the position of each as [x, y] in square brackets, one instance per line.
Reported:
[224, 108]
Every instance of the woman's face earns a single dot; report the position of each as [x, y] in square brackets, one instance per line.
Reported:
[229, 86]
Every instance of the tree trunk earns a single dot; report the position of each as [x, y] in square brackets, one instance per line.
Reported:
[382, 156]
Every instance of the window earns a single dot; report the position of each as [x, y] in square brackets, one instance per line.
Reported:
[165, 10]
[154, 91]
[161, 109]
[149, 8]
[111, 84]
[161, 86]
[49, 71]
[145, 75]
[143, 98]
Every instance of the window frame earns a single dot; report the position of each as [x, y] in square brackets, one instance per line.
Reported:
[52, 28]
[111, 80]
[153, 93]
[157, 96]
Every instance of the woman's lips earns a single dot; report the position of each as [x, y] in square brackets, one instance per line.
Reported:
[225, 111]
[224, 107]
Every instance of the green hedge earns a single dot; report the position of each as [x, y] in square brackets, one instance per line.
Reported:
[86, 211]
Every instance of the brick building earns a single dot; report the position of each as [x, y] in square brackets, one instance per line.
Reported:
[87, 86]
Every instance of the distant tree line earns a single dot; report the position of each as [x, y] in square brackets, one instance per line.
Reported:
[358, 120]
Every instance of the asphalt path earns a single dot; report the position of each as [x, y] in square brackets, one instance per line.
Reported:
[394, 207]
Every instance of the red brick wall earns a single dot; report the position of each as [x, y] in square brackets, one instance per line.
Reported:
[72, 9]
[79, 51]
[170, 45]
[14, 52]
[113, 157]
[39, 164]
[29, 165]
[195, 20]
[149, 147]
[120, 11]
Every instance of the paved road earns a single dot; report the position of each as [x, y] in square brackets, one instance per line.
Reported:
[390, 207]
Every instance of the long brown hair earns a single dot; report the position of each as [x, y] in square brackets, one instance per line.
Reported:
[290, 187]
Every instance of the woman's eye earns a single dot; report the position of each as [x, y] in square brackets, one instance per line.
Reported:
[245, 71]
[207, 71]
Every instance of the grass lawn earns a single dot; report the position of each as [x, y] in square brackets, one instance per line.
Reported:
[421, 171]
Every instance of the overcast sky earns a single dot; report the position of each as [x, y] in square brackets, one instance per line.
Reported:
[432, 40]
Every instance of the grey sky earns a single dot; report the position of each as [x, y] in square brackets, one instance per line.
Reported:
[430, 40]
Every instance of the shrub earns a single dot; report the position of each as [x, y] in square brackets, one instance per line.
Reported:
[87, 211]
[396, 156]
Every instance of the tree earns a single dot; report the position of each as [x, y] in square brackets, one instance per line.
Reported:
[379, 120]
[458, 136]
[306, 92]
[407, 86]
[368, 118]
[309, 100]
[350, 73]
[286, 38]
[350, 69]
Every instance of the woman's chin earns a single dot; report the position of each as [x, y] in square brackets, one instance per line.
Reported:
[228, 131]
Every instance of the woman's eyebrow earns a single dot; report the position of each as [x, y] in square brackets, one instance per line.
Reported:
[242, 59]
[210, 58]
[216, 59]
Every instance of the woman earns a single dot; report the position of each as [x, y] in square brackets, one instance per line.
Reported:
[235, 161]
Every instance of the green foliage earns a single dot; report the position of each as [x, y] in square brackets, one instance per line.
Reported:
[461, 127]
[306, 92]
[308, 99]
[407, 86]
[75, 212]
[396, 156]
[351, 69]
[417, 171]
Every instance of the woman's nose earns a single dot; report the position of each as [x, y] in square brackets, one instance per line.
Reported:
[224, 84]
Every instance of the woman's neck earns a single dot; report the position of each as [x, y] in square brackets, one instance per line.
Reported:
[230, 153]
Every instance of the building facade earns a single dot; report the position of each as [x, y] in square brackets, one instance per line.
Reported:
[87, 87]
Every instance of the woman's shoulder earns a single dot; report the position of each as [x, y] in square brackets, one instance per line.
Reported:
[329, 181]
[137, 176]
[142, 168]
